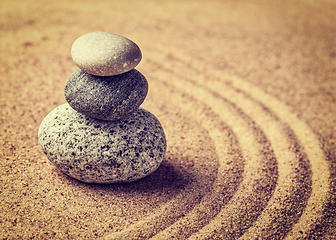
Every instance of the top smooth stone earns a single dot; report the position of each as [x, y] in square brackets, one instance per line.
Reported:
[105, 54]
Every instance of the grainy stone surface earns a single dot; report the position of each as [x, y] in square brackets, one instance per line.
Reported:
[106, 98]
[105, 54]
[97, 151]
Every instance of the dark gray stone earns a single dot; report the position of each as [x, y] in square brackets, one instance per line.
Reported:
[105, 54]
[97, 151]
[106, 98]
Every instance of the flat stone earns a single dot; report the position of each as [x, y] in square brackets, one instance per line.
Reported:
[107, 98]
[96, 151]
[105, 54]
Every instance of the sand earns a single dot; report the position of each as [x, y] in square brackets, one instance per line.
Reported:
[245, 91]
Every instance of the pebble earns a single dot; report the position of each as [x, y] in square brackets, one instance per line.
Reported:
[105, 54]
[97, 151]
[107, 98]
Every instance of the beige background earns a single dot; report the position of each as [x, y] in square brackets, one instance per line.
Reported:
[246, 93]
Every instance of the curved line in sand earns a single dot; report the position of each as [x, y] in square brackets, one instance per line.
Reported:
[237, 205]
[250, 99]
[304, 134]
[255, 161]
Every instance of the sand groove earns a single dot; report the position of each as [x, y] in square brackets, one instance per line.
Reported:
[270, 146]
[306, 137]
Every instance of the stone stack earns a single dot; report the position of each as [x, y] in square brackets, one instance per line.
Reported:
[102, 135]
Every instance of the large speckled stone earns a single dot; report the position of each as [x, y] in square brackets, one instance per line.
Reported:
[105, 54]
[97, 151]
[106, 98]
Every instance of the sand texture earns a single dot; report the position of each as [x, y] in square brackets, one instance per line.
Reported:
[246, 94]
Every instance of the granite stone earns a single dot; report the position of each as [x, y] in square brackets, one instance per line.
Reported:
[106, 98]
[96, 151]
[105, 54]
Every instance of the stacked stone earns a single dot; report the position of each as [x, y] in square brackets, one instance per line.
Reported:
[102, 135]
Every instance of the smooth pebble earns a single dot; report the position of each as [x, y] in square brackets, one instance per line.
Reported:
[105, 54]
[107, 98]
[96, 151]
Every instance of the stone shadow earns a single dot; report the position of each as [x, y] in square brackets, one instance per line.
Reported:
[166, 182]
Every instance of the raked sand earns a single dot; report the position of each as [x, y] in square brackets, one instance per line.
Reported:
[246, 94]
